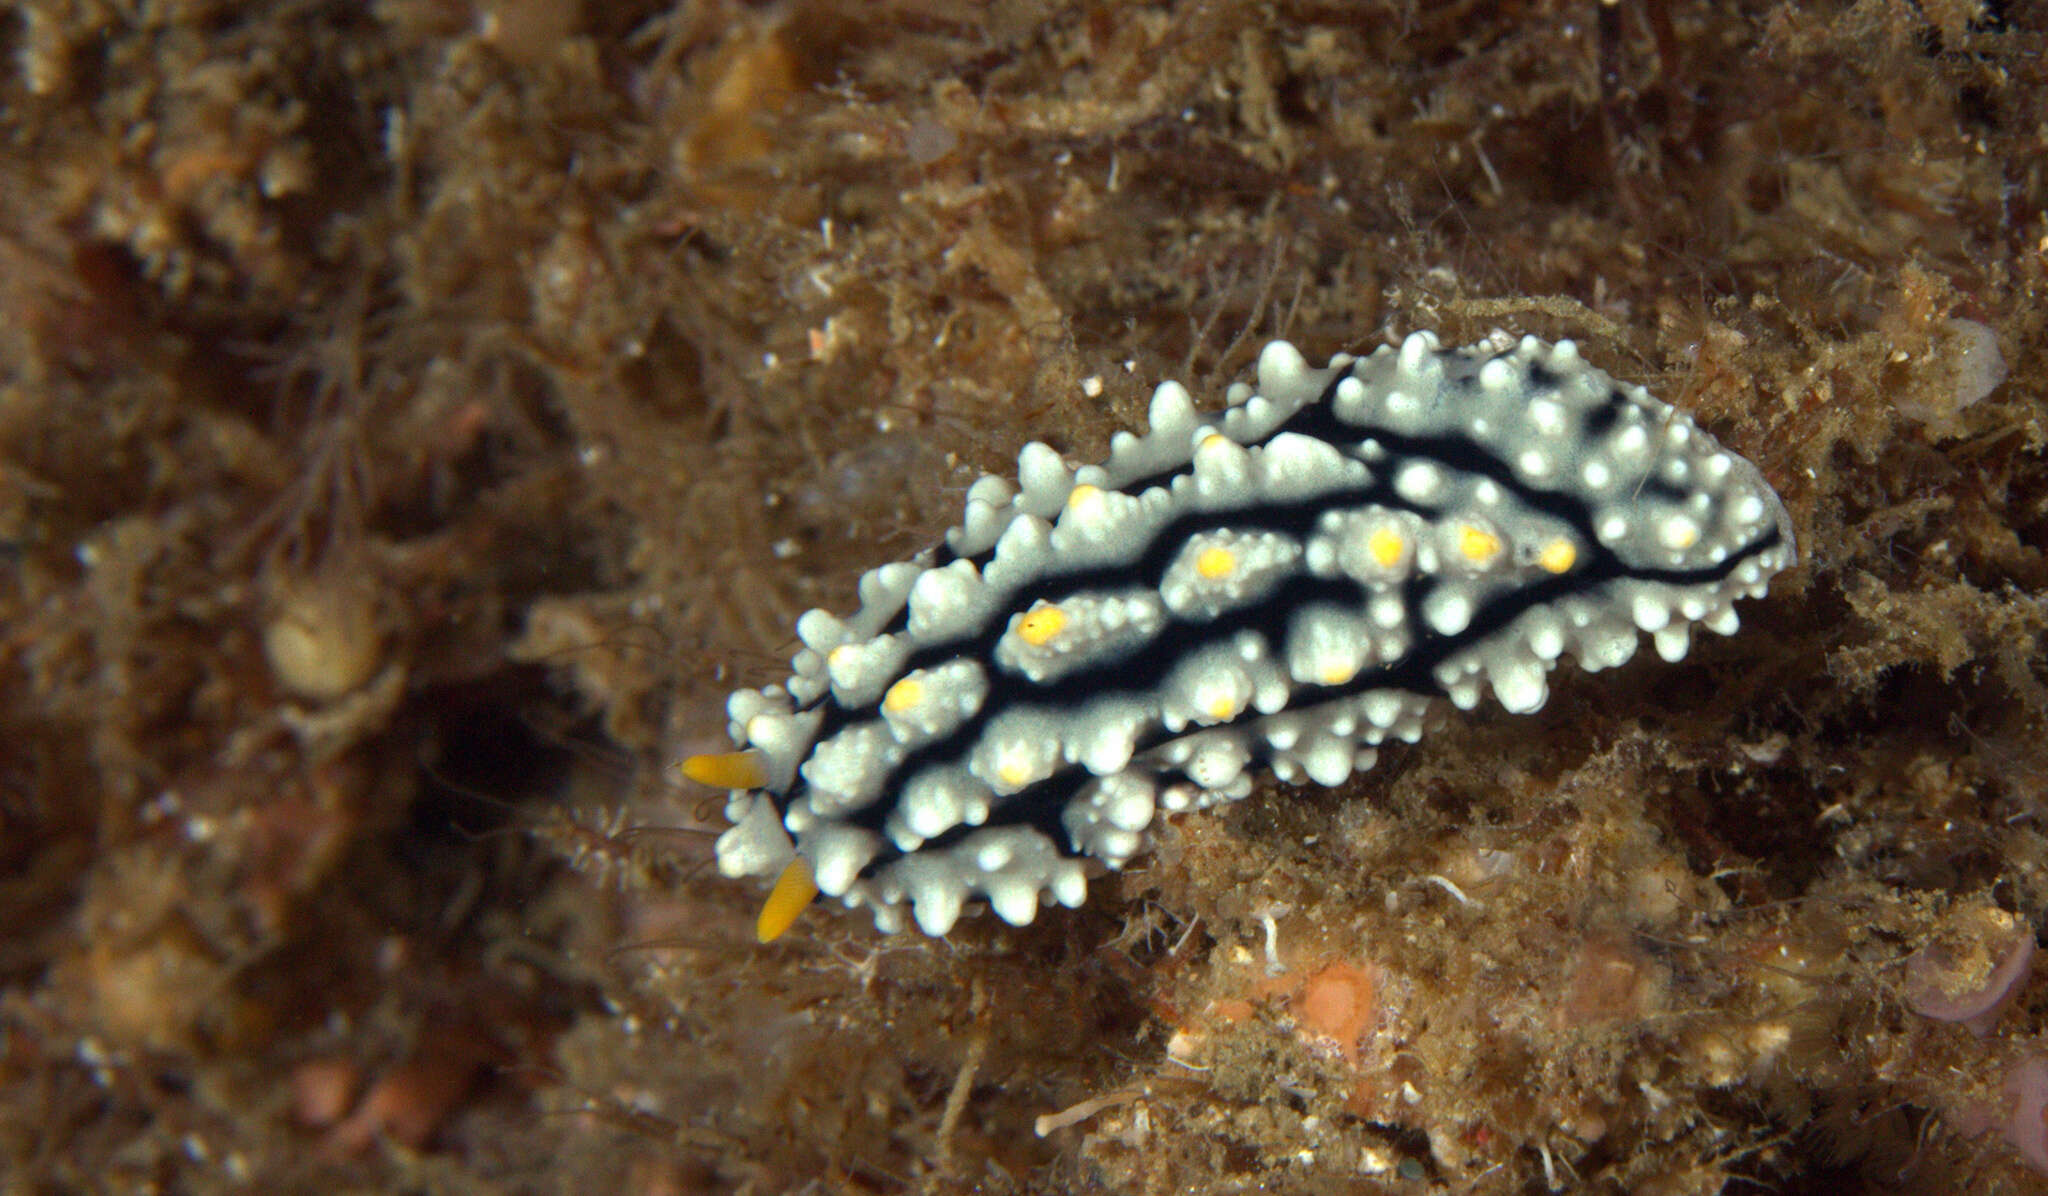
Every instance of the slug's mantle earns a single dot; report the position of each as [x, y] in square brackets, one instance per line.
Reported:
[1287, 583]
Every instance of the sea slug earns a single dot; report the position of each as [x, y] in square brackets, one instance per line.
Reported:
[1284, 584]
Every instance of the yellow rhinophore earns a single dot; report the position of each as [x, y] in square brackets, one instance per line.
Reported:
[726, 770]
[793, 891]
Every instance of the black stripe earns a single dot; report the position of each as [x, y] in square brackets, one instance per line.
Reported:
[1040, 805]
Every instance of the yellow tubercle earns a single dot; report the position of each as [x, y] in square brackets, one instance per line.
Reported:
[1386, 547]
[1215, 562]
[1338, 673]
[1038, 626]
[1558, 556]
[793, 890]
[1478, 544]
[903, 695]
[1083, 494]
[726, 770]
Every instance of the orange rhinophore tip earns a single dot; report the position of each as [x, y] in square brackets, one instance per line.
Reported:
[726, 770]
[793, 891]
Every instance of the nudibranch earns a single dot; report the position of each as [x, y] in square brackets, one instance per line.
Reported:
[1285, 584]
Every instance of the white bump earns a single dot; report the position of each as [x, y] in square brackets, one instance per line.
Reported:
[1418, 481]
[1672, 640]
[840, 854]
[1416, 350]
[1070, 884]
[1045, 480]
[1546, 640]
[1328, 762]
[1519, 685]
[1649, 612]
[1678, 533]
[1015, 901]
[937, 905]
[1173, 411]
[1280, 366]
[1449, 610]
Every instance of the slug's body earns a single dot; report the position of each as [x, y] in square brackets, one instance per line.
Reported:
[1287, 584]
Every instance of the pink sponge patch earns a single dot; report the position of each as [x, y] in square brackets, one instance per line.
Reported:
[1968, 973]
[2026, 1086]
